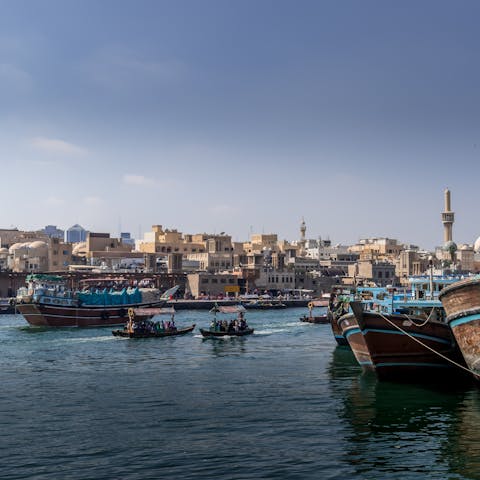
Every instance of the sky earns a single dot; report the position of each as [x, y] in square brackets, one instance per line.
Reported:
[241, 117]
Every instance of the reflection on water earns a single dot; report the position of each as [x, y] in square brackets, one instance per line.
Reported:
[462, 445]
[223, 346]
[286, 405]
[402, 430]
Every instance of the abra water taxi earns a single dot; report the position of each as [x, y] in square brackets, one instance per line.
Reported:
[147, 328]
[234, 328]
[322, 318]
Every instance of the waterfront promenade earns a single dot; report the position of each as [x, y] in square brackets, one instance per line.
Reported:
[209, 304]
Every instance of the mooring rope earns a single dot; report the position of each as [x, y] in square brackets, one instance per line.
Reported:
[423, 323]
[429, 348]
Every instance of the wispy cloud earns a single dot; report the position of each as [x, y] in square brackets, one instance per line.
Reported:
[133, 179]
[56, 146]
[92, 201]
[144, 181]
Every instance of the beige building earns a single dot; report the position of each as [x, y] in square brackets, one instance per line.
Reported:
[212, 262]
[411, 262]
[161, 240]
[261, 241]
[9, 236]
[202, 283]
[381, 273]
[378, 248]
[466, 258]
[40, 256]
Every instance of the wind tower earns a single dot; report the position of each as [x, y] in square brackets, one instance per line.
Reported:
[448, 217]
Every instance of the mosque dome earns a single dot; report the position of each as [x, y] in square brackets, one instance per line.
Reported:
[80, 249]
[476, 245]
[17, 246]
[37, 244]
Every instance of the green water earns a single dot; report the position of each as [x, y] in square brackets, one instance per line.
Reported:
[285, 403]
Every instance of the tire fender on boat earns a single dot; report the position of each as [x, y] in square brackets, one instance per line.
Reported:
[105, 315]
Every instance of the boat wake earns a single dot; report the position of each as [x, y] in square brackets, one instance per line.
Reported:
[104, 338]
[267, 332]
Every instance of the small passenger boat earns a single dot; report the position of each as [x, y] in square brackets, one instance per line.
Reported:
[234, 328]
[7, 305]
[264, 305]
[147, 328]
[210, 332]
[310, 318]
[154, 334]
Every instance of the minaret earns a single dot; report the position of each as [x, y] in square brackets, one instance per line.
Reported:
[303, 231]
[448, 218]
[303, 240]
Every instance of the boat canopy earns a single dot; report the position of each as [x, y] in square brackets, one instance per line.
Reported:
[319, 303]
[125, 297]
[154, 311]
[231, 309]
[170, 292]
[42, 277]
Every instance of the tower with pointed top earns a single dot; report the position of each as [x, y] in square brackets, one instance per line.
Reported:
[303, 230]
[448, 217]
[303, 238]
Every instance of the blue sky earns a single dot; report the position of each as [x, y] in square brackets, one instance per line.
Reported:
[241, 116]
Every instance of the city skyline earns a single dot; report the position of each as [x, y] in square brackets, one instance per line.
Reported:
[241, 117]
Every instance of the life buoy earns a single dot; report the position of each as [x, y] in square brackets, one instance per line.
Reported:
[122, 312]
[105, 315]
[310, 305]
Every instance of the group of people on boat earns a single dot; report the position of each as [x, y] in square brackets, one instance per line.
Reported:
[149, 326]
[235, 325]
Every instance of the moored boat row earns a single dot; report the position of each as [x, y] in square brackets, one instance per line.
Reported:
[425, 333]
[410, 337]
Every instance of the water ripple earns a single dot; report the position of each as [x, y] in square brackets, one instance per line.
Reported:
[284, 403]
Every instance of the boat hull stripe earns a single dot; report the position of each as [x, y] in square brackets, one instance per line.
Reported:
[463, 320]
[418, 335]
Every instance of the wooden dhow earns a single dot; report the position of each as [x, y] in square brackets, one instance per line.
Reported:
[350, 331]
[407, 346]
[461, 302]
[46, 302]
